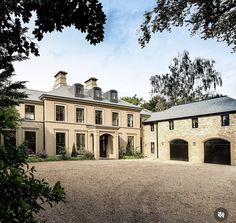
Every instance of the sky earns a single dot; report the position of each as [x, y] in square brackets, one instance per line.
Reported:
[119, 62]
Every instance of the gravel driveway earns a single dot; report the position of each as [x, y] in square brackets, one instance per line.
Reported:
[142, 191]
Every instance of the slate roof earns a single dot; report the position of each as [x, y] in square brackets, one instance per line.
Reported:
[66, 93]
[34, 95]
[200, 108]
[146, 112]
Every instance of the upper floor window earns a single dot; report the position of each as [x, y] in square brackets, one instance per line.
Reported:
[79, 90]
[130, 120]
[194, 123]
[152, 147]
[115, 119]
[152, 127]
[225, 120]
[29, 112]
[171, 125]
[98, 117]
[80, 115]
[97, 93]
[113, 96]
[60, 113]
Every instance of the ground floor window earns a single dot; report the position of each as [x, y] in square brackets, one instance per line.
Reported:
[30, 141]
[152, 147]
[80, 142]
[130, 145]
[60, 141]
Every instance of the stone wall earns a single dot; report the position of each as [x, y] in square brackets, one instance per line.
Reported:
[209, 127]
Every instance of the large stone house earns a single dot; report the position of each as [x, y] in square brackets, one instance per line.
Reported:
[97, 121]
[203, 131]
[79, 114]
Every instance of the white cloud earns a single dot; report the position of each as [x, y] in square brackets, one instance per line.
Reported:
[119, 62]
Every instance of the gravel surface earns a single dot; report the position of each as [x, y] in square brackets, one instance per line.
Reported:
[142, 191]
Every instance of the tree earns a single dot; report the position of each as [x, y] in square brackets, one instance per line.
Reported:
[22, 196]
[156, 103]
[133, 100]
[210, 19]
[16, 45]
[188, 80]
[74, 152]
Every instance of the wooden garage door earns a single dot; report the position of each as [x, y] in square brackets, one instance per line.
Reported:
[217, 151]
[179, 150]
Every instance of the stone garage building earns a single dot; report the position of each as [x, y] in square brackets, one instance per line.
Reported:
[203, 131]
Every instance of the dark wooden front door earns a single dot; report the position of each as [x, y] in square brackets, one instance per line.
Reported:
[103, 146]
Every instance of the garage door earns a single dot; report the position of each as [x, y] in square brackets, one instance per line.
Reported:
[217, 151]
[179, 150]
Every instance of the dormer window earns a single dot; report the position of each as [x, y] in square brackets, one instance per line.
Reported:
[79, 90]
[97, 94]
[113, 96]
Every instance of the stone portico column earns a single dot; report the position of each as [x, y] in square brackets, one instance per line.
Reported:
[96, 145]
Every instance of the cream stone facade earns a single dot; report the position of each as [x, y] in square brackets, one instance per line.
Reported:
[46, 128]
[99, 122]
[209, 129]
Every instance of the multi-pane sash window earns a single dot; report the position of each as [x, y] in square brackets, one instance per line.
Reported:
[60, 141]
[130, 145]
[60, 113]
[115, 119]
[152, 127]
[152, 147]
[171, 125]
[80, 115]
[195, 123]
[130, 120]
[98, 117]
[29, 112]
[80, 142]
[225, 120]
[30, 141]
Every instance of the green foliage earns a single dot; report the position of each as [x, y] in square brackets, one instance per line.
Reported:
[23, 196]
[74, 152]
[9, 117]
[62, 154]
[210, 19]
[133, 100]
[130, 154]
[87, 156]
[156, 103]
[122, 153]
[187, 81]
[42, 154]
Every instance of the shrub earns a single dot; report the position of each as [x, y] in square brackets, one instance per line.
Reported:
[121, 154]
[74, 152]
[138, 154]
[42, 154]
[87, 156]
[62, 153]
[22, 195]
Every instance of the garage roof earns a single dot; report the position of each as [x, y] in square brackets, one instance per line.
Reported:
[200, 108]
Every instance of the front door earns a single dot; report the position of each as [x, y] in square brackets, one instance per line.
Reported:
[103, 149]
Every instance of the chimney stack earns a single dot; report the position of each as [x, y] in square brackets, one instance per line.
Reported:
[60, 79]
[91, 83]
